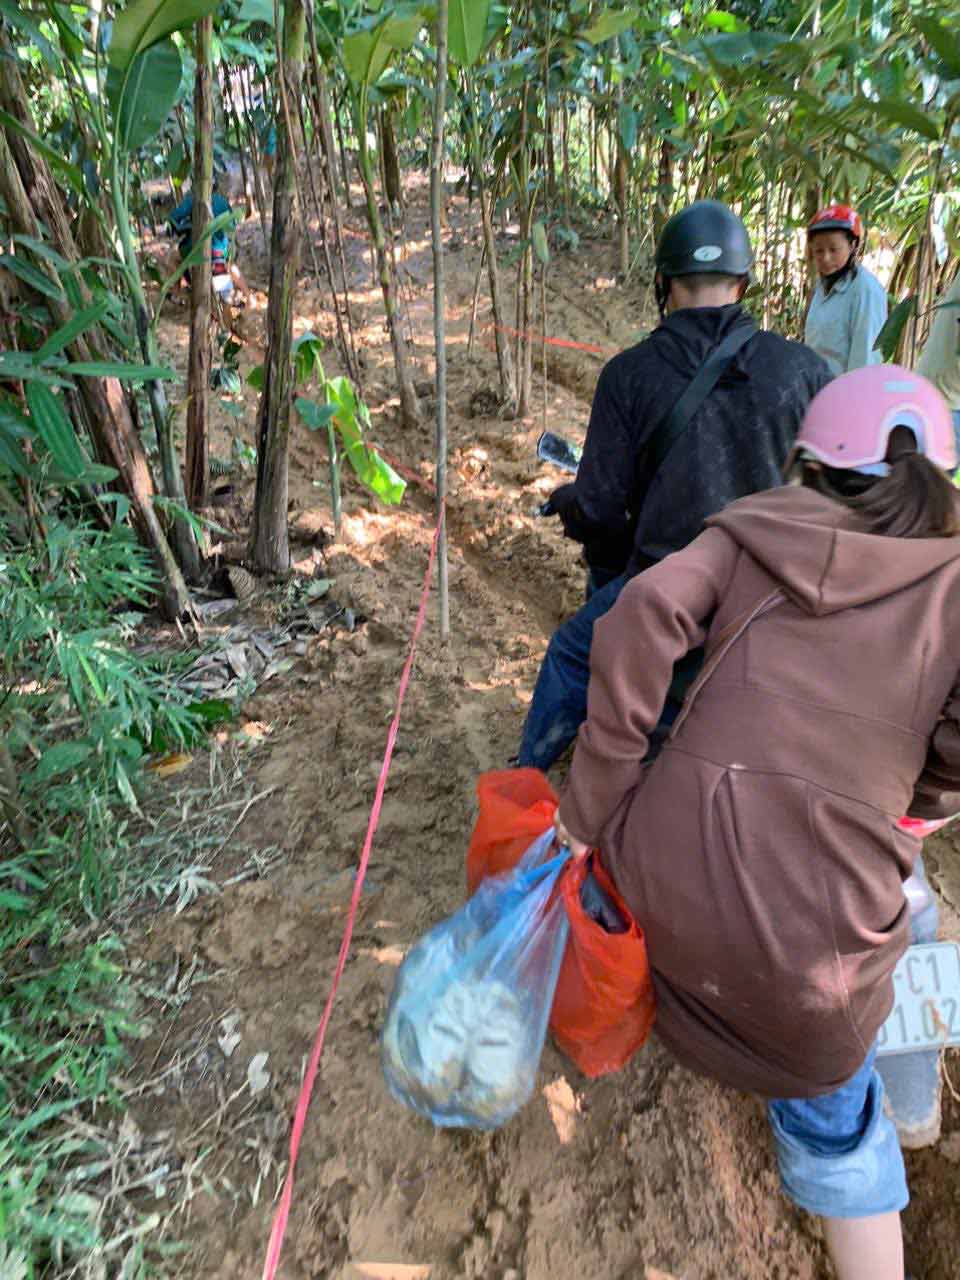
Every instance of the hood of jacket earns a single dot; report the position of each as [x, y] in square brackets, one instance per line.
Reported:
[685, 338]
[820, 553]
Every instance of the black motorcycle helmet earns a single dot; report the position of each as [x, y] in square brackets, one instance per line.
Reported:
[706, 238]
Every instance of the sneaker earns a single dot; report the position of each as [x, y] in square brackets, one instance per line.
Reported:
[912, 1087]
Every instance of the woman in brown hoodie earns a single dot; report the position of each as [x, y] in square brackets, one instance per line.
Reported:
[760, 851]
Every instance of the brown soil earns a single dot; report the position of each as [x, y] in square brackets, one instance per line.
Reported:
[649, 1173]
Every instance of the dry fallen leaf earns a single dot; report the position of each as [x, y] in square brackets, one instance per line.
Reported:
[229, 1036]
[256, 730]
[258, 1077]
[167, 766]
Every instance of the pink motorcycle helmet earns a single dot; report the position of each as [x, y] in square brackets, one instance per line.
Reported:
[848, 424]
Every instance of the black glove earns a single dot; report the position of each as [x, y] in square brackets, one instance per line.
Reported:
[560, 500]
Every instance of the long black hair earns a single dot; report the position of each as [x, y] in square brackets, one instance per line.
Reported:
[914, 500]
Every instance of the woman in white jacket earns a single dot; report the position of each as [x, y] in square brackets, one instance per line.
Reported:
[849, 305]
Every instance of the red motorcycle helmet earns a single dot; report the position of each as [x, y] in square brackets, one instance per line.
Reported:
[837, 217]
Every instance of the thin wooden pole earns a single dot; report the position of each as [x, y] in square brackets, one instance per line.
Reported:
[439, 312]
[197, 478]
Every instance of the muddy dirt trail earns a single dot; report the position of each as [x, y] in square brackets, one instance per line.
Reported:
[646, 1174]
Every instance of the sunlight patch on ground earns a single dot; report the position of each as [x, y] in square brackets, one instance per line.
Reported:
[385, 955]
[564, 1107]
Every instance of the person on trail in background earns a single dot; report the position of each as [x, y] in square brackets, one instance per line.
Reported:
[180, 223]
[940, 359]
[849, 305]
[761, 853]
[703, 411]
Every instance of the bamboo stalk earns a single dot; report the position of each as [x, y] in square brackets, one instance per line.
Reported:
[439, 312]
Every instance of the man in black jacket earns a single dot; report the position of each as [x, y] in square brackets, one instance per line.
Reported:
[635, 498]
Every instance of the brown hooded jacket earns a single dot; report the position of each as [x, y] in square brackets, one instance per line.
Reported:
[760, 851]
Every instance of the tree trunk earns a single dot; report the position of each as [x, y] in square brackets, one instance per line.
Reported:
[664, 188]
[439, 306]
[393, 184]
[344, 167]
[201, 276]
[508, 389]
[326, 133]
[410, 406]
[32, 196]
[232, 121]
[621, 186]
[524, 269]
[259, 194]
[269, 542]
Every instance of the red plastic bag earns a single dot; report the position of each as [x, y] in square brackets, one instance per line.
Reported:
[604, 1006]
[516, 806]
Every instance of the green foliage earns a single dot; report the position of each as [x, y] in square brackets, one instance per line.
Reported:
[142, 98]
[888, 339]
[144, 23]
[352, 419]
[77, 705]
[367, 52]
[467, 30]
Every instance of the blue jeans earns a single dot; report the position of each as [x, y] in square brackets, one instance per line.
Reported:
[839, 1154]
[559, 704]
[597, 579]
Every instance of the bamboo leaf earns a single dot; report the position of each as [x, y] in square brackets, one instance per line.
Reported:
[146, 22]
[22, 366]
[43, 250]
[60, 758]
[942, 40]
[17, 17]
[55, 430]
[467, 30]
[50, 154]
[76, 325]
[903, 113]
[31, 275]
[888, 339]
[609, 24]
[13, 428]
[123, 372]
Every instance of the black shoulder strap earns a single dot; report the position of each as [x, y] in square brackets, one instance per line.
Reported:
[669, 431]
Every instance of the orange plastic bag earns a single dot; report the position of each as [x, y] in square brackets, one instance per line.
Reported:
[516, 806]
[604, 1006]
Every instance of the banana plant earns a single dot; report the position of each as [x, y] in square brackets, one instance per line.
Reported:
[341, 411]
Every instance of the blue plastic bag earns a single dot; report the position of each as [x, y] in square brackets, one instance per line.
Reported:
[466, 1023]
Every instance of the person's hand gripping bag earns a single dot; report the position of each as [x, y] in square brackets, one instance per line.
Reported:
[466, 1023]
[603, 1008]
